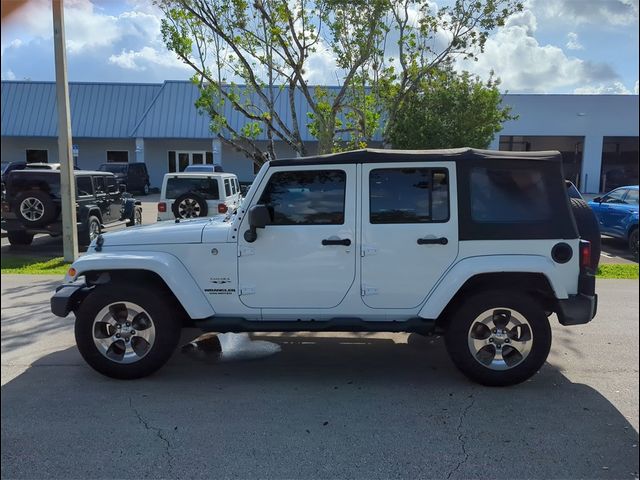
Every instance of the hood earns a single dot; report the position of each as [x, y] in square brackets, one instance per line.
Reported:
[168, 232]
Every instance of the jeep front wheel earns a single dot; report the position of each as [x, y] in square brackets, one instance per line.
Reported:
[499, 338]
[126, 331]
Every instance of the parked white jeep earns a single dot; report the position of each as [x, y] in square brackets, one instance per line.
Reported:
[478, 244]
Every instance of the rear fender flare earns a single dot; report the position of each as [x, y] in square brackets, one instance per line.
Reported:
[451, 282]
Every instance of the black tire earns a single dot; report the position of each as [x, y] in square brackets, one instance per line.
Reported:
[86, 235]
[136, 217]
[458, 334]
[588, 228]
[190, 205]
[42, 212]
[633, 242]
[20, 238]
[161, 311]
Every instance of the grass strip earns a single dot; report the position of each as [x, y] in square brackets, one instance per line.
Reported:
[625, 271]
[34, 266]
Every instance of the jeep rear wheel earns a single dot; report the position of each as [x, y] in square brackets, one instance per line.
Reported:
[126, 331]
[499, 338]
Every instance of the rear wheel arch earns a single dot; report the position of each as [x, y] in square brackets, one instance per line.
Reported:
[536, 285]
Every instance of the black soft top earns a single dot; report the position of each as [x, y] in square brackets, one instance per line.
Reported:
[377, 155]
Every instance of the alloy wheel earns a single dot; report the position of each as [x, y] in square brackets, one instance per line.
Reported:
[123, 332]
[500, 338]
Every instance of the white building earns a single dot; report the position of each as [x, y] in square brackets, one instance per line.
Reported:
[159, 125]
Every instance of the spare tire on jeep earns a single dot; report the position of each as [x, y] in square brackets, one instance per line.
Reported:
[190, 205]
[35, 208]
[588, 228]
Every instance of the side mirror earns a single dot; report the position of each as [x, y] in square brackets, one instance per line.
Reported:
[598, 199]
[259, 217]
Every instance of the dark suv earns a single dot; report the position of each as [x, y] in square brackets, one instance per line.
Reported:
[133, 175]
[32, 205]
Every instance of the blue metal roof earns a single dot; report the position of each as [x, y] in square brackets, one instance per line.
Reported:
[125, 110]
[98, 110]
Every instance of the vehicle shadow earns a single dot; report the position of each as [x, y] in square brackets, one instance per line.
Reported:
[616, 247]
[323, 407]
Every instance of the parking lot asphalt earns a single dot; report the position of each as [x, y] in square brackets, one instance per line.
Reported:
[326, 406]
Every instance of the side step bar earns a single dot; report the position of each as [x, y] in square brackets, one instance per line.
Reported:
[236, 325]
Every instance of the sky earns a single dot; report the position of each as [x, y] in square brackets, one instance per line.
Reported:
[553, 46]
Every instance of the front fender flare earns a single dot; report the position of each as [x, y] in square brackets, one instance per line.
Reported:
[451, 282]
[166, 266]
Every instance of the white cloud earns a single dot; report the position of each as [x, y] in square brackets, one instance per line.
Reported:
[604, 88]
[145, 58]
[612, 12]
[635, 88]
[573, 43]
[525, 65]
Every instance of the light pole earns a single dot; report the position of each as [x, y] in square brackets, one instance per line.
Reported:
[67, 179]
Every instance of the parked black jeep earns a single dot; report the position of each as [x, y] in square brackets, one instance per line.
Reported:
[134, 175]
[32, 205]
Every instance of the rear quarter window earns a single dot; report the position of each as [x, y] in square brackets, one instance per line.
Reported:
[205, 187]
[500, 195]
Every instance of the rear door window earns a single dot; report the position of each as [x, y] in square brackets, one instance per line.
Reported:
[632, 197]
[408, 195]
[206, 187]
[100, 186]
[227, 187]
[84, 187]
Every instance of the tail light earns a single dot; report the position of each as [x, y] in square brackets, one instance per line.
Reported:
[585, 254]
[222, 208]
[162, 207]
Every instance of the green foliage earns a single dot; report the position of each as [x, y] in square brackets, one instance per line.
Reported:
[267, 46]
[449, 110]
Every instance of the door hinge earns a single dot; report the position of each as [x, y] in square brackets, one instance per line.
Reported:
[247, 290]
[368, 250]
[367, 290]
[244, 251]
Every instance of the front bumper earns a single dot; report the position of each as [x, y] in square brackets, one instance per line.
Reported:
[68, 297]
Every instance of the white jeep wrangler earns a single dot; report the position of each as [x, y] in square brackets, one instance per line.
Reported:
[478, 244]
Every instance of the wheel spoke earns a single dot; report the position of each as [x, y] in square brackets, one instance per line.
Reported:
[501, 318]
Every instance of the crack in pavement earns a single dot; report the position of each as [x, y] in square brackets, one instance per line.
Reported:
[158, 431]
[461, 438]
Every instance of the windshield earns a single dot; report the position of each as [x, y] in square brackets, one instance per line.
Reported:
[105, 167]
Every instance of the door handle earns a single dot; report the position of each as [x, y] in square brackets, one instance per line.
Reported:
[433, 241]
[345, 241]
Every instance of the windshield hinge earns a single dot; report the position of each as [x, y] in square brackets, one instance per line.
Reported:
[367, 290]
[250, 290]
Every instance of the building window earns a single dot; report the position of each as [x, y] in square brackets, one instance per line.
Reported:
[570, 148]
[37, 156]
[619, 162]
[172, 162]
[117, 156]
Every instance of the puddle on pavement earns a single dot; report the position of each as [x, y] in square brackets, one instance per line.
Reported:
[228, 347]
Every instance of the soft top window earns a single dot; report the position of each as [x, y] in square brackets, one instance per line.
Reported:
[507, 195]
